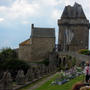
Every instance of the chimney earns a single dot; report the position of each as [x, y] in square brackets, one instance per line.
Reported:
[32, 26]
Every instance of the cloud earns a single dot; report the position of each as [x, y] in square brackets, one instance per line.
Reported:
[25, 22]
[24, 9]
[1, 19]
[50, 2]
[19, 9]
[56, 14]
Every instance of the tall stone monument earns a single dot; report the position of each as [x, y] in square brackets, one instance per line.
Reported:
[73, 29]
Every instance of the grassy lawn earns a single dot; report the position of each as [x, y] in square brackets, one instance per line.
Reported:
[48, 86]
[28, 86]
[66, 86]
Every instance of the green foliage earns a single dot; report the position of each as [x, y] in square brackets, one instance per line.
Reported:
[68, 57]
[13, 66]
[84, 51]
[66, 86]
[73, 61]
[10, 62]
[7, 54]
[46, 62]
[79, 69]
[16, 64]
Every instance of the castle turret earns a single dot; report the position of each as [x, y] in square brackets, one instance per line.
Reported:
[73, 29]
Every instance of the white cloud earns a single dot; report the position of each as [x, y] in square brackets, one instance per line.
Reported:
[19, 9]
[67, 2]
[25, 22]
[26, 9]
[56, 14]
[1, 19]
[50, 2]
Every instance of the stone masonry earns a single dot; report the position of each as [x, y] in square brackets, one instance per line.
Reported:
[73, 36]
[73, 29]
[40, 44]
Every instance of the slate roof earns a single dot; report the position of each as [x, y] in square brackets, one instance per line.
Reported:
[75, 11]
[43, 32]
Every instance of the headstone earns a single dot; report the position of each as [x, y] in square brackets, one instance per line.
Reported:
[54, 68]
[47, 70]
[20, 78]
[37, 73]
[28, 75]
[6, 82]
[50, 68]
[32, 74]
[41, 71]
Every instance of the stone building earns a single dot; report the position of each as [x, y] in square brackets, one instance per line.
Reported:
[73, 29]
[39, 45]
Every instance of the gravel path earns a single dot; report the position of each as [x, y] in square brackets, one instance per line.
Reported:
[38, 84]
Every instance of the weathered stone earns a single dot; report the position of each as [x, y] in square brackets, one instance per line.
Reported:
[33, 74]
[29, 75]
[41, 42]
[20, 78]
[73, 29]
[43, 69]
[54, 68]
[6, 82]
[37, 73]
[51, 68]
[40, 68]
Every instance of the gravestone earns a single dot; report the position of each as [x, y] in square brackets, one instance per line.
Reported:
[28, 75]
[20, 78]
[6, 82]
[37, 73]
[33, 74]
[41, 70]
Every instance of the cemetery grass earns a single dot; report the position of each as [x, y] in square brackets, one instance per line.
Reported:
[66, 86]
[28, 86]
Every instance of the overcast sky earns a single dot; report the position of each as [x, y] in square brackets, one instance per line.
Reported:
[16, 17]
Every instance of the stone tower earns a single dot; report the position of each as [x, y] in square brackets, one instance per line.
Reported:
[73, 29]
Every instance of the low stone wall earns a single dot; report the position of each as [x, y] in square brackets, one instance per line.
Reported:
[78, 56]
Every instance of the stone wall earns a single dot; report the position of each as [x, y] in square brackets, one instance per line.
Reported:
[79, 40]
[79, 57]
[41, 47]
[24, 52]
[73, 29]
[38, 50]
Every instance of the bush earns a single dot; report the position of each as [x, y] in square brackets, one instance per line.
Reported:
[84, 51]
[7, 54]
[46, 62]
[13, 65]
[9, 61]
